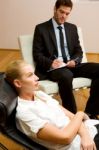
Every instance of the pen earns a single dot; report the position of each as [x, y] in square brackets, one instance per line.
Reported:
[55, 57]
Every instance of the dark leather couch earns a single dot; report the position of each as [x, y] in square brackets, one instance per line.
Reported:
[8, 102]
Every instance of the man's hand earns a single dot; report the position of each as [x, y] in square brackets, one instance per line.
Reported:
[71, 64]
[57, 63]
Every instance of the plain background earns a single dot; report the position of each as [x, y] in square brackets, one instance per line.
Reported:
[19, 17]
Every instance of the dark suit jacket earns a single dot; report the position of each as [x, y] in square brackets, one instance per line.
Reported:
[45, 46]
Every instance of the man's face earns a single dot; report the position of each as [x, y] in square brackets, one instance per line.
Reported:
[61, 14]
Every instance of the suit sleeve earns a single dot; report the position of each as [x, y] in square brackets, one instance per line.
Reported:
[40, 53]
[75, 47]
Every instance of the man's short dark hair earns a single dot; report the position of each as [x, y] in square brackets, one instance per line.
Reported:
[67, 3]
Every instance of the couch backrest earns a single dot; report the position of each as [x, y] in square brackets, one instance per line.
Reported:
[8, 100]
[25, 44]
[80, 33]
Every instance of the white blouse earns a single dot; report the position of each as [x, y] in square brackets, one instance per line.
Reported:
[33, 115]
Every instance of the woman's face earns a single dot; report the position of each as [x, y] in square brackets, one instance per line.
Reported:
[28, 80]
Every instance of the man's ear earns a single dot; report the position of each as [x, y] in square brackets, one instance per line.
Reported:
[17, 83]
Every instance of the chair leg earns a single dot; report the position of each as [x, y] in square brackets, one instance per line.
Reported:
[81, 97]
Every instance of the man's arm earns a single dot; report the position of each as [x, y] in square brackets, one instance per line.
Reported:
[39, 50]
[75, 49]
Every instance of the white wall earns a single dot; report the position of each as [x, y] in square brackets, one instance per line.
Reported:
[85, 14]
[20, 17]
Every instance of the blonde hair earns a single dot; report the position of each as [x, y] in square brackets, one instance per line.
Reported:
[13, 70]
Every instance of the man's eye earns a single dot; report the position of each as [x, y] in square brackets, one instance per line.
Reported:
[67, 14]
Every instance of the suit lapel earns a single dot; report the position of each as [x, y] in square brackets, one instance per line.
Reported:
[68, 35]
[52, 34]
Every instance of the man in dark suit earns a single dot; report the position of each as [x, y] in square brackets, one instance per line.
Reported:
[48, 53]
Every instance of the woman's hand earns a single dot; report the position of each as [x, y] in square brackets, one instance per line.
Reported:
[86, 117]
[87, 143]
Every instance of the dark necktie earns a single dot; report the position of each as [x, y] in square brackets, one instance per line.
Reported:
[62, 43]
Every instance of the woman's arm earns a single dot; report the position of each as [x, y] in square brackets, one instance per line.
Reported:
[67, 112]
[86, 140]
[71, 115]
[62, 136]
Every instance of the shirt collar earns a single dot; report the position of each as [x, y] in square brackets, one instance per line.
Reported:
[56, 25]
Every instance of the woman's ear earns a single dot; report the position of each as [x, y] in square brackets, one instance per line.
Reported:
[17, 83]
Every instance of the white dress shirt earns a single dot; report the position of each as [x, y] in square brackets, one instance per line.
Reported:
[55, 25]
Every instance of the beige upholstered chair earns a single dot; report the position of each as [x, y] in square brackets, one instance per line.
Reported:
[50, 87]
